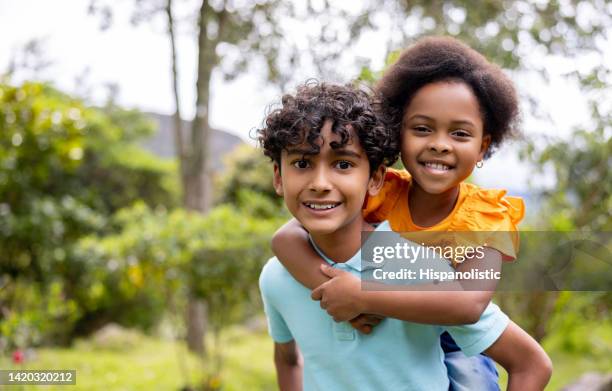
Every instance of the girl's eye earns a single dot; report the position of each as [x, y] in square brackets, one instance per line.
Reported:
[461, 133]
[301, 164]
[344, 165]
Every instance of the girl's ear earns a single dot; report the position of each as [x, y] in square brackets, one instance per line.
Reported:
[376, 180]
[484, 146]
[277, 181]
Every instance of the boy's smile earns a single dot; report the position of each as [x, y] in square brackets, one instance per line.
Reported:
[325, 191]
[442, 136]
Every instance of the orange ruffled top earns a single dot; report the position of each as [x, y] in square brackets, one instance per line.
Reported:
[488, 211]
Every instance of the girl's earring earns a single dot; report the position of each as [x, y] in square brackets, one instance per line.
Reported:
[480, 164]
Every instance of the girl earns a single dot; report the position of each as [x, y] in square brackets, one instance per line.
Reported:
[450, 109]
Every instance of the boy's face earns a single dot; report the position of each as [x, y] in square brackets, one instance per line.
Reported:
[442, 136]
[325, 192]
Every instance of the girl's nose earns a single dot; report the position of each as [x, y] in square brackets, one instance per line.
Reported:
[439, 145]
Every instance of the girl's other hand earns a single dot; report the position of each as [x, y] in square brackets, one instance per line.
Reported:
[340, 296]
[366, 322]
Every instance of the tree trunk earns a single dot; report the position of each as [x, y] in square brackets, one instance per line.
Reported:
[197, 176]
[541, 306]
[179, 144]
[196, 326]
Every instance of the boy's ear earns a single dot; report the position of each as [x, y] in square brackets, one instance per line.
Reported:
[376, 180]
[484, 146]
[277, 181]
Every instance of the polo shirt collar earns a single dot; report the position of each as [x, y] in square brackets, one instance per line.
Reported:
[355, 261]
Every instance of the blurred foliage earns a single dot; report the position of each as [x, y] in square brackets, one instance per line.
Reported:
[500, 29]
[572, 331]
[248, 171]
[578, 200]
[65, 168]
[515, 34]
[581, 198]
[159, 253]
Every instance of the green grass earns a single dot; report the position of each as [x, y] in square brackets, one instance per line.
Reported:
[594, 356]
[151, 363]
[567, 369]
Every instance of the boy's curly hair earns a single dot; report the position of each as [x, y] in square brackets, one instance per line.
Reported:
[300, 118]
[437, 59]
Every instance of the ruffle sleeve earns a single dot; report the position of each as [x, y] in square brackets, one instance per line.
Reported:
[378, 207]
[493, 212]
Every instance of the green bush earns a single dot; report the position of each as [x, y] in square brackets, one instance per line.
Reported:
[65, 168]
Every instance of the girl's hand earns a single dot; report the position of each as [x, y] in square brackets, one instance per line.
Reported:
[366, 322]
[340, 296]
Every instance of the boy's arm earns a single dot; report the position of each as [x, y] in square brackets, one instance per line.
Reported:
[528, 365]
[291, 246]
[289, 366]
[443, 304]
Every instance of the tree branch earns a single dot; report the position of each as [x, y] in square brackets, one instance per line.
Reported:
[178, 131]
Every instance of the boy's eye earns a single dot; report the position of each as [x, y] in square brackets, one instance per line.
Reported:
[421, 129]
[344, 165]
[301, 163]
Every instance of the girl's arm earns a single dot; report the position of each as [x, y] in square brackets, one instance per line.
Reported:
[291, 246]
[445, 304]
[528, 365]
[344, 299]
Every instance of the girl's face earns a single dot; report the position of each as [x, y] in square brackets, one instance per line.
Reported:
[442, 136]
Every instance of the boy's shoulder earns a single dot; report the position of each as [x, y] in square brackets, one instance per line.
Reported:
[272, 270]
[275, 279]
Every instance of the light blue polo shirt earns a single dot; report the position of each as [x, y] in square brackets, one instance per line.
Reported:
[396, 356]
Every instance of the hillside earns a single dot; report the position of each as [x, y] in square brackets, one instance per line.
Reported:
[162, 143]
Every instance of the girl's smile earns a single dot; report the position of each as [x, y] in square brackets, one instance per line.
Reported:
[436, 167]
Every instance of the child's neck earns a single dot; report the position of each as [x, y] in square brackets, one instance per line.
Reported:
[428, 209]
[343, 244]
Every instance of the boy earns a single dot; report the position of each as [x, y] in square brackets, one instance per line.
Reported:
[329, 149]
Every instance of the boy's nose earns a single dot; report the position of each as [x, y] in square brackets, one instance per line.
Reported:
[320, 180]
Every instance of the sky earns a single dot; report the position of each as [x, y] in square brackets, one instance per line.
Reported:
[85, 59]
